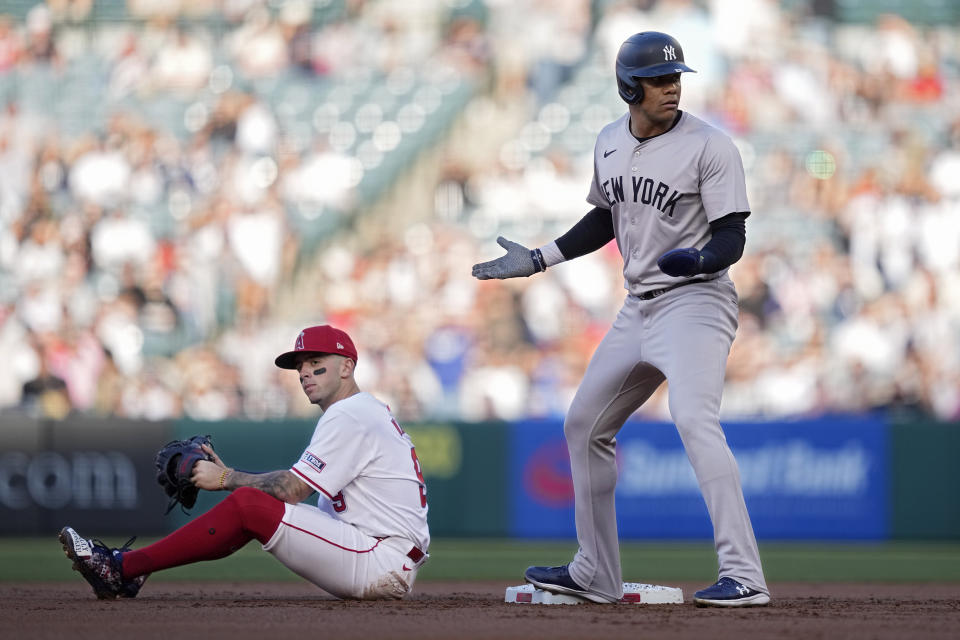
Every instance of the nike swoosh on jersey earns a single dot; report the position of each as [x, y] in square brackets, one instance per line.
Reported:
[406, 568]
[606, 153]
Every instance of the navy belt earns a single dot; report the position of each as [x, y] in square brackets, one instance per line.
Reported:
[656, 293]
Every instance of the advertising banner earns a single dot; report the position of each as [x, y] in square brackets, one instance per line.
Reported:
[825, 478]
[93, 474]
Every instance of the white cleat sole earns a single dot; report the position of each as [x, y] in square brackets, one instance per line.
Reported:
[756, 600]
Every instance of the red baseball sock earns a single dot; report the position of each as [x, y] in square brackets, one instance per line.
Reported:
[244, 515]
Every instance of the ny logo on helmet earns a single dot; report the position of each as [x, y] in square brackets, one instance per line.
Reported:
[669, 53]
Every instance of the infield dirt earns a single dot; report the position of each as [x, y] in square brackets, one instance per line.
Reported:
[274, 611]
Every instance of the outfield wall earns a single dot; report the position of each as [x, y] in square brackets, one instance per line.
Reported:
[853, 478]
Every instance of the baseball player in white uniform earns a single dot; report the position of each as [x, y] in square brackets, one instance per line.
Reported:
[671, 189]
[366, 538]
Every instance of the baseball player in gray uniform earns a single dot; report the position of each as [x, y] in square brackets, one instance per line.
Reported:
[671, 189]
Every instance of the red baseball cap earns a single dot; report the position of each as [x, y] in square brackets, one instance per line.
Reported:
[322, 339]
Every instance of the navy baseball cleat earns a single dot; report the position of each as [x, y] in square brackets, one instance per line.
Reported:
[727, 592]
[558, 580]
[100, 566]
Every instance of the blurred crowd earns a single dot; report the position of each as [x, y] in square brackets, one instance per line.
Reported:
[152, 275]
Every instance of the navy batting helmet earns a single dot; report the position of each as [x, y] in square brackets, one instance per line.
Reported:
[647, 54]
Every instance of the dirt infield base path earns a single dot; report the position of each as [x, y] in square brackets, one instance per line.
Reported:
[274, 611]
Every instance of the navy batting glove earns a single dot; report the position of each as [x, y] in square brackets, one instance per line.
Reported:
[681, 262]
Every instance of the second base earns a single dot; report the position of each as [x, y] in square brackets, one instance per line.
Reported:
[633, 593]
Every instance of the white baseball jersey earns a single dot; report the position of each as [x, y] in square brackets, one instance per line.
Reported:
[664, 191]
[368, 533]
[366, 469]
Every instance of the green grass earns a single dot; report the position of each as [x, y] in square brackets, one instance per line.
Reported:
[697, 561]
[41, 560]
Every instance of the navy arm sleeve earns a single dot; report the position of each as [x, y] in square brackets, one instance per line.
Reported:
[726, 245]
[589, 234]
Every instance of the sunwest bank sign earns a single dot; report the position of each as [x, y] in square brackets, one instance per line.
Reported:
[826, 478]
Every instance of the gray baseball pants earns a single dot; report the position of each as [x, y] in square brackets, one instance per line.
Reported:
[683, 336]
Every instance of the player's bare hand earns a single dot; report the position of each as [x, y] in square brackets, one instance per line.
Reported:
[213, 454]
[206, 474]
[518, 262]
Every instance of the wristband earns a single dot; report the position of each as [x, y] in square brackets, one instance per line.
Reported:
[223, 477]
[539, 264]
[551, 254]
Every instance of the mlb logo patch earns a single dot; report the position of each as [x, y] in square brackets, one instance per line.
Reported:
[313, 461]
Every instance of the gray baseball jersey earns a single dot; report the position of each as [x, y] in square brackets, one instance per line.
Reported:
[663, 192]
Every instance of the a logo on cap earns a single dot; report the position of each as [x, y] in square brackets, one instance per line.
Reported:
[669, 53]
[299, 345]
[339, 346]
